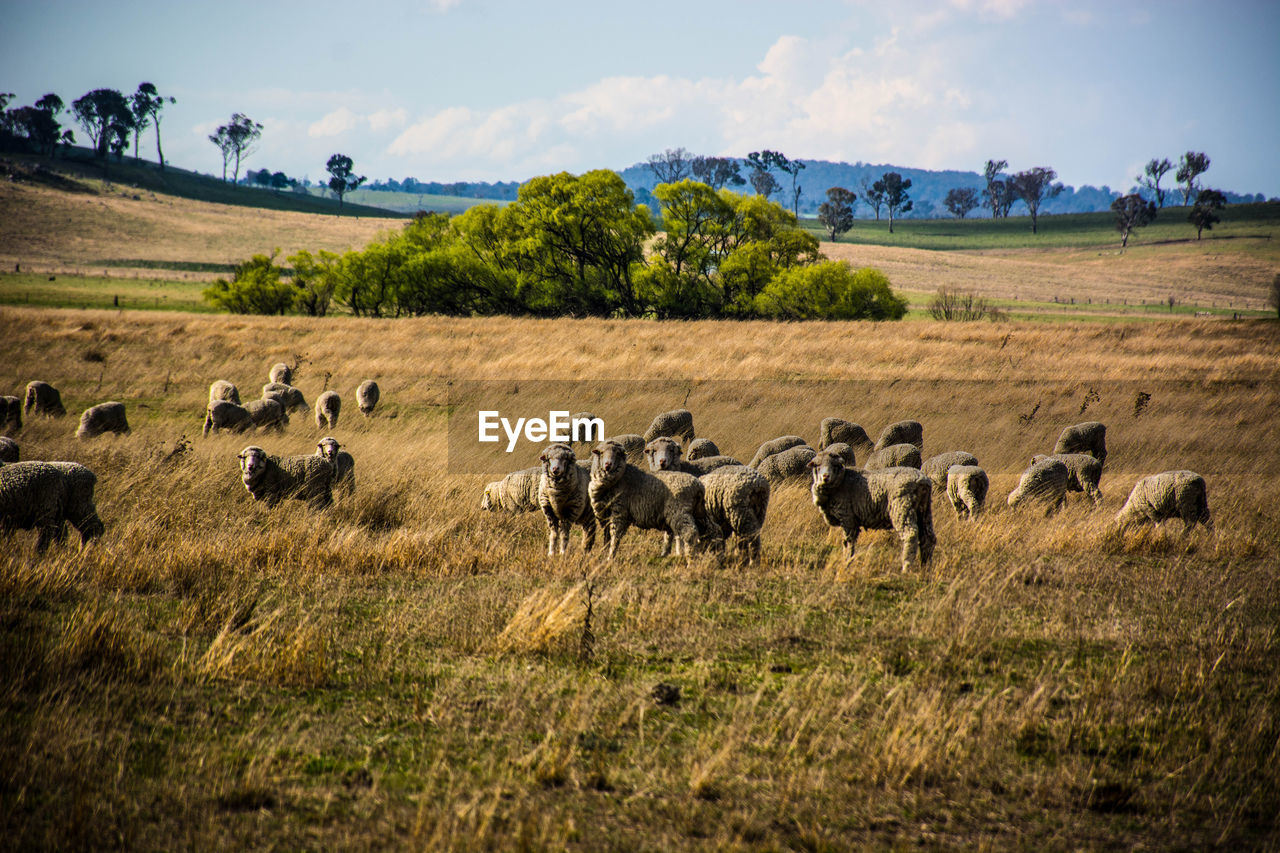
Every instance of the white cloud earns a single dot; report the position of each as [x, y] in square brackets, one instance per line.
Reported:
[387, 119]
[335, 123]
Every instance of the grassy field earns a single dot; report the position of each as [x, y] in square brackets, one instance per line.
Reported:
[406, 670]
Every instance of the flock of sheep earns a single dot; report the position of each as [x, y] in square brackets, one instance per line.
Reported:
[691, 492]
[700, 500]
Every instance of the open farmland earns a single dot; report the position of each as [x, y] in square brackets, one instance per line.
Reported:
[406, 670]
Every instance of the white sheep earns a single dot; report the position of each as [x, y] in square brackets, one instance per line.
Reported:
[291, 398]
[737, 500]
[1084, 473]
[1044, 482]
[936, 467]
[515, 493]
[1160, 497]
[563, 495]
[700, 448]
[344, 464]
[267, 412]
[328, 407]
[894, 456]
[837, 430]
[46, 495]
[633, 444]
[899, 499]
[274, 478]
[791, 464]
[221, 389]
[281, 373]
[663, 454]
[845, 451]
[367, 396]
[103, 418]
[677, 423]
[902, 432]
[967, 487]
[1089, 437]
[42, 399]
[774, 445]
[222, 415]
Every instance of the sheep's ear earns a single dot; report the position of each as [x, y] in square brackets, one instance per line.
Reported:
[542, 457]
[813, 463]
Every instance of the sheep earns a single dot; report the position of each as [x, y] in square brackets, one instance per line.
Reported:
[46, 495]
[515, 493]
[274, 478]
[267, 412]
[328, 407]
[663, 454]
[898, 499]
[774, 445]
[9, 451]
[836, 430]
[737, 499]
[1173, 494]
[1045, 482]
[281, 373]
[1089, 437]
[10, 414]
[43, 399]
[223, 415]
[707, 464]
[104, 417]
[967, 487]
[563, 496]
[1083, 473]
[677, 423]
[367, 397]
[622, 495]
[936, 467]
[221, 389]
[633, 444]
[291, 398]
[844, 451]
[902, 432]
[700, 448]
[790, 464]
[344, 465]
[894, 456]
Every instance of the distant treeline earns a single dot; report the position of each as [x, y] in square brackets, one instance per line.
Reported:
[501, 191]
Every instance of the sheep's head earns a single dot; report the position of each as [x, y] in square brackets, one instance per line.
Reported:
[608, 461]
[844, 451]
[328, 447]
[253, 462]
[827, 469]
[489, 502]
[663, 454]
[558, 461]
[702, 448]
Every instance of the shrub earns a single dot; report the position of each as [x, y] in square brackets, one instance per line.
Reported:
[255, 288]
[950, 304]
[830, 290]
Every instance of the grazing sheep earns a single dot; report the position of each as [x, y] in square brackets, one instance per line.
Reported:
[222, 415]
[344, 465]
[43, 399]
[936, 467]
[267, 412]
[622, 495]
[633, 444]
[104, 417]
[46, 495]
[836, 430]
[707, 464]
[291, 398]
[8, 450]
[367, 397]
[894, 456]
[775, 445]
[1089, 437]
[516, 492]
[1044, 482]
[281, 373]
[274, 478]
[902, 432]
[967, 487]
[221, 389]
[677, 423]
[790, 464]
[663, 454]
[328, 407]
[563, 495]
[737, 498]
[1173, 494]
[700, 448]
[10, 414]
[844, 451]
[1083, 473]
[898, 499]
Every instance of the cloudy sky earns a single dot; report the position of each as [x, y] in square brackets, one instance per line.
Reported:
[507, 89]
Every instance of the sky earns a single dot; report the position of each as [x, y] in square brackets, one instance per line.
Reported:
[502, 90]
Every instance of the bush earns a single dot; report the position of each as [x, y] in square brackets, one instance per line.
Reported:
[255, 288]
[830, 290]
[951, 304]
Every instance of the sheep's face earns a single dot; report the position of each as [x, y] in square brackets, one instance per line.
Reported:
[663, 454]
[608, 460]
[328, 448]
[558, 461]
[253, 461]
[702, 448]
[827, 469]
[489, 503]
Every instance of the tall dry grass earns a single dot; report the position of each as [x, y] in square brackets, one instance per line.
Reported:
[406, 670]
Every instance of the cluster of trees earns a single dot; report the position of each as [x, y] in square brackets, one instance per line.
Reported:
[501, 191]
[576, 245]
[108, 118]
[1136, 209]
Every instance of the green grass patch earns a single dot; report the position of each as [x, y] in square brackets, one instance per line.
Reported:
[79, 291]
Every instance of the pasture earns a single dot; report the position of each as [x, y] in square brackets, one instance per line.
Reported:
[404, 669]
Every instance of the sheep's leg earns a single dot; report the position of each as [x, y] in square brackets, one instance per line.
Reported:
[850, 542]
[588, 534]
[565, 527]
[617, 529]
[928, 539]
[685, 530]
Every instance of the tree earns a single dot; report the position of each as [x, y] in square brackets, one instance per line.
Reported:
[764, 162]
[262, 177]
[1192, 165]
[830, 290]
[764, 183]
[1132, 211]
[872, 196]
[1035, 186]
[147, 103]
[255, 288]
[716, 172]
[102, 113]
[1155, 169]
[280, 181]
[1204, 213]
[836, 213]
[222, 139]
[893, 187]
[996, 191]
[341, 179]
[236, 140]
[670, 166]
[961, 200]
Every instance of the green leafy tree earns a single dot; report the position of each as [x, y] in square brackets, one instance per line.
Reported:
[236, 140]
[102, 113]
[256, 287]
[280, 181]
[762, 164]
[1034, 186]
[996, 191]
[1132, 211]
[764, 183]
[893, 188]
[342, 179]
[1156, 168]
[717, 172]
[1204, 213]
[830, 290]
[836, 213]
[1192, 165]
[149, 102]
[961, 200]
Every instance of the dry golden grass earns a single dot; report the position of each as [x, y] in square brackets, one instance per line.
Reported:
[406, 670]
